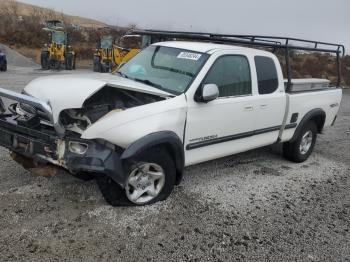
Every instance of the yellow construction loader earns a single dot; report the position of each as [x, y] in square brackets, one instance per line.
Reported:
[57, 54]
[127, 47]
[110, 54]
[103, 57]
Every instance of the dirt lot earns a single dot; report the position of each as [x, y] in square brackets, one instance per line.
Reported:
[254, 206]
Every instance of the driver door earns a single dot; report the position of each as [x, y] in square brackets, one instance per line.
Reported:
[224, 126]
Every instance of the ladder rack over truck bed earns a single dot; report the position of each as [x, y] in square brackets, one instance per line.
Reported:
[275, 42]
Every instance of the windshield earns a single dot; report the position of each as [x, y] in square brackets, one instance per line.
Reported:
[130, 41]
[59, 37]
[106, 42]
[170, 69]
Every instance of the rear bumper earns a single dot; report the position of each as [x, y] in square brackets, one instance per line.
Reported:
[41, 144]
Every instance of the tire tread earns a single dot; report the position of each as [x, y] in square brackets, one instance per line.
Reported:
[115, 195]
[291, 149]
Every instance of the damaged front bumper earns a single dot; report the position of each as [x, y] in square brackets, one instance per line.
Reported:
[47, 145]
[43, 146]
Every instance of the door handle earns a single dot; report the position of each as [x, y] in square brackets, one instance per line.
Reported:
[264, 106]
[248, 108]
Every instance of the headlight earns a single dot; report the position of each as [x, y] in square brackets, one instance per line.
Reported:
[77, 147]
[27, 108]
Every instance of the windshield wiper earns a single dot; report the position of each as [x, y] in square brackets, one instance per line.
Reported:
[122, 74]
[148, 82]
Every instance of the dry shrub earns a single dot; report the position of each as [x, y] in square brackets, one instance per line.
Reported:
[83, 51]
[305, 65]
[346, 70]
[33, 53]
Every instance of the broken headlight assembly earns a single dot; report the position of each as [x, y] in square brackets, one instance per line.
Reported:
[77, 147]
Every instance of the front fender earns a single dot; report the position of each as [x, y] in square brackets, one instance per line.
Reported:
[167, 139]
[125, 127]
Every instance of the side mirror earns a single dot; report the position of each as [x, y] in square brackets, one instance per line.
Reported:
[210, 92]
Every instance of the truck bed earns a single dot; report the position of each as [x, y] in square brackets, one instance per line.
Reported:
[300, 103]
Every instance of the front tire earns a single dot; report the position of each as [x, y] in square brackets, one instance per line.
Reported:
[151, 178]
[55, 65]
[300, 150]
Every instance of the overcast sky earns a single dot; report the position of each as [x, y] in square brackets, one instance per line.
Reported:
[326, 20]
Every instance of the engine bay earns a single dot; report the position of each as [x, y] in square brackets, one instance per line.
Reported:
[101, 103]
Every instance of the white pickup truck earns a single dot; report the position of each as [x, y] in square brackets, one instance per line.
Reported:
[174, 105]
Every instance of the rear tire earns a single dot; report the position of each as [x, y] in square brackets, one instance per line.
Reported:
[96, 65]
[161, 166]
[300, 150]
[45, 60]
[69, 61]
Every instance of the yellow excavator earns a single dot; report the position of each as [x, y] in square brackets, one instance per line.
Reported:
[57, 54]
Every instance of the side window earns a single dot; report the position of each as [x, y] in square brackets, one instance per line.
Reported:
[267, 75]
[232, 75]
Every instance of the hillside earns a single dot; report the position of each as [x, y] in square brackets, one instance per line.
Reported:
[23, 31]
[23, 9]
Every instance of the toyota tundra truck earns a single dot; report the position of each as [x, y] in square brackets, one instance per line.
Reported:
[175, 104]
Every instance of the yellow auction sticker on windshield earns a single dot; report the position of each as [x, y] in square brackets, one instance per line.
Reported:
[190, 56]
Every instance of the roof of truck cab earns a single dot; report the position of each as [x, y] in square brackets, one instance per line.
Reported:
[203, 47]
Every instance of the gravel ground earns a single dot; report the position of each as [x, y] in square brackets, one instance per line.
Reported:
[254, 206]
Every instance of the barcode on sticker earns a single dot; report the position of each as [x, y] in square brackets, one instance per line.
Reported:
[188, 55]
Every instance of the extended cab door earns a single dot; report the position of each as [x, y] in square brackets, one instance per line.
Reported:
[271, 104]
[223, 126]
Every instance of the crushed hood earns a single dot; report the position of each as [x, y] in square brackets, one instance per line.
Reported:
[70, 91]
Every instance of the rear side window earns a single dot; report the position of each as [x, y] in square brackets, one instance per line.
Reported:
[267, 75]
[232, 76]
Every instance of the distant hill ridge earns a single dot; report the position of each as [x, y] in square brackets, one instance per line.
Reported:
[27, 10]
